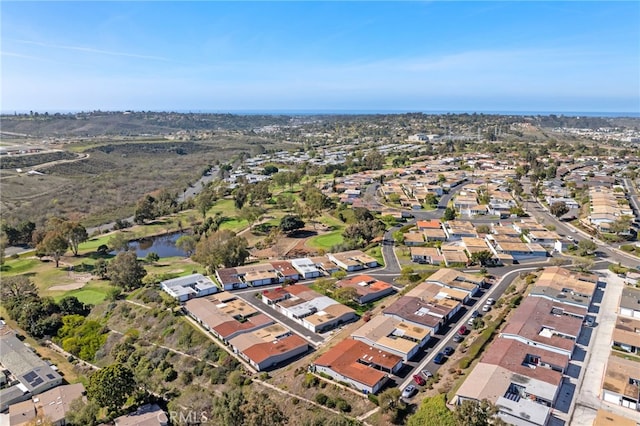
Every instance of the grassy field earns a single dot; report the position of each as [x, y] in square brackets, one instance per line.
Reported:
[326, 241]
[94, 292]
[376, 253]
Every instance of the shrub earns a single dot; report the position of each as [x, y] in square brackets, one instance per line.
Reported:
[373, 398]
[295, 401]
[310, 381]
[516, 301]
[465, 362]
[330, 403]
[343, 405]
[321, 398]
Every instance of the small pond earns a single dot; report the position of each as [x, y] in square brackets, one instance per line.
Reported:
[163, 245]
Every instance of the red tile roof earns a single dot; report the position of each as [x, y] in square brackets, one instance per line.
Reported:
[262, 351]
[343, 359]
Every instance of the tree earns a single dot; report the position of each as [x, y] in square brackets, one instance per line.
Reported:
[269, 169]
[259, 192]
[474, 413]
[518, 211]
[365, 231]
[586, 247]
[290, 223]
[360, 214]
[432, 411]
[374, 160]
[119, 242]
[152, 257]
[346, 294]
[145, 209]
[54, 244]
[481, 257]
[559, 208]
[221, 248]
[240, 195]
[17, 288]
[391, 403]
[251, 214]
[126, 271]
[228, 408]
[187, 243]
[430, 199]
[75, 234]
[398, 236]
[111, 386]
[82, 414]
[70, 305]
[449, 214]
[204, 201]
[285, 201]
[100, 268]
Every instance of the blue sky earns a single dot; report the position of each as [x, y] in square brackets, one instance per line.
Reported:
[405, 56]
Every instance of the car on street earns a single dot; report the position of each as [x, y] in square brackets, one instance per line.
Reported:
[491, 301]
[440, 358]
[475, 314]
[448, 351]
[471, 322]
[419, 380]
[408, 391]
[462, 330]
[458, 338]
[486, 308]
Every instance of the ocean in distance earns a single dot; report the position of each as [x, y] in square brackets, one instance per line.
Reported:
[379, 112]
[302, 112]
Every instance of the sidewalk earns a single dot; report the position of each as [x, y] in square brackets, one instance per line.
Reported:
[588, 399]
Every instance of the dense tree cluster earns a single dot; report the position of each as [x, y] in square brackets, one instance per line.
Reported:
[19, 234]
[222, 248]
[37, 316]
[149, 207]
[126, 271]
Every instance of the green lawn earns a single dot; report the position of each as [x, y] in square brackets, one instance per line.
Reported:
[173, 265]
[376, 253]
[18, 266]
[94, 292]
[326, 241]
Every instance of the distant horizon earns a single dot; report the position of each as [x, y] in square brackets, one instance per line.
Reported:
[548, 56]
[293, 112]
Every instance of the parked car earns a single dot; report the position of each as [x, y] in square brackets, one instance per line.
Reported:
[419, 380]
[490, 301]
[458, 338]
[475, 314]
[486, 308]
[408, 391]
[471, 322]
[448, 351]
[589, 321]
[440, 358]
[426, 374]
[462, 330]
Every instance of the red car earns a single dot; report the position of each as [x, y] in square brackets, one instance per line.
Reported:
[419, 380]
[462, 331]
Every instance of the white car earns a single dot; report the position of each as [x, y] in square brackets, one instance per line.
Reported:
[490, 301]
[408, 391]
[486, 308]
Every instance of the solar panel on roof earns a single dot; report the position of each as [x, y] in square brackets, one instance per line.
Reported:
[36, 382]
[51, 376]
[30, 376]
